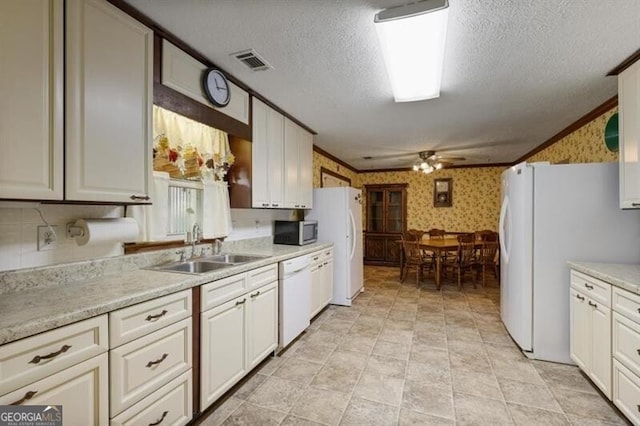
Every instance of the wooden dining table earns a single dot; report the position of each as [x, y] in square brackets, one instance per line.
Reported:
[438, 246]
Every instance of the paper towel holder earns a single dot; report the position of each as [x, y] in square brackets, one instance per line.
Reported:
[74, 231]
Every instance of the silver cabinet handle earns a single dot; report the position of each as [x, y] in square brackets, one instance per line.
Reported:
[156, 316]
[140, 197]
[256, 294]
[161, 419]
[240, 302]
[158, 361]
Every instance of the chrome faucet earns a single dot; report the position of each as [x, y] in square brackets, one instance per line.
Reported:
[217, 246]
[196, 234]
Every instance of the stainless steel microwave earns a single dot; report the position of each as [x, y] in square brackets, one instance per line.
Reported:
[295, 232]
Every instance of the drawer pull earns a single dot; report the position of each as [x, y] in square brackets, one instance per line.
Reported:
[26, 397]
[140, 197]
[156, 316]
[152, 363]
[580, 297]
[256, 294]
[161, 419]
[593, 304]
[590, 287]
[36, 359]
[241, 302]
[638, 351]
[315, 258]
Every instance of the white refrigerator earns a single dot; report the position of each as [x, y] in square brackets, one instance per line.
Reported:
[551, 214]
[339, 215]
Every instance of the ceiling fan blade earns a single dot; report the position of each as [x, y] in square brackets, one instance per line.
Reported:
[446, 158]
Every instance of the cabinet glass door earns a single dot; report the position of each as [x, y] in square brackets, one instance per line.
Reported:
[394, 211]
[376, 211]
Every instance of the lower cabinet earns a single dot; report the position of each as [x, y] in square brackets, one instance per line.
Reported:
[381, 249]
[321, 280]
[82, 390]
[590, 342]
[236, 335]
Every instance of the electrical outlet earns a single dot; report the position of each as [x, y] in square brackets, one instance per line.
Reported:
[47, 240]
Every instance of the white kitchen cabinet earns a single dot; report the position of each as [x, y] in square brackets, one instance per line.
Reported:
[223, 349]
[626, 391]
[109, 60]
[183, 73]
[590, 326]
[298, 166]
[82, 390]
[321, 280]
[629, 136]
[262, 323]
[236, 335]
[267, 157]
[31, 104]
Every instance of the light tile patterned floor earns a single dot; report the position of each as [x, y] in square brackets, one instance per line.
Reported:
[403, 356]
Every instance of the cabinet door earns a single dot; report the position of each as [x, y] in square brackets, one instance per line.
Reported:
[82, 390]
[394, 214]
[275, 158]
[316, 289]
[260, 155]
[375, 211]
[629, 127]
[328, 282]
[392, 249]
[580, 319]
[262, 326]
[374, 247]
[31, 109]
[305, 168]
[222, 349]
[601, 347]
[291, 190]
[109, 59]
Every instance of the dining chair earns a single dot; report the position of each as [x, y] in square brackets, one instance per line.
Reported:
[413, 257]
[464, 258]
[436, 233]
[488, 255]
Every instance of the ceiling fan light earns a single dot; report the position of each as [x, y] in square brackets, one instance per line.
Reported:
[413, 39]
[416, 167]
[424, 165]
[438, 166]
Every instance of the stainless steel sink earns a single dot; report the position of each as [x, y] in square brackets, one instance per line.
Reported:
[194, 267]
[231, 258]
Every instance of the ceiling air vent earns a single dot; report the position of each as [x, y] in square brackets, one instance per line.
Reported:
[251, 59]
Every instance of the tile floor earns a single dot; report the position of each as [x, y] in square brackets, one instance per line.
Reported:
[403, 356]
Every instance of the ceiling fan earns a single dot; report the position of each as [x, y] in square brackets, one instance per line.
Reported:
[431, 161]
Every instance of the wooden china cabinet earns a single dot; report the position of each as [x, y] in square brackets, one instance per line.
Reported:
[386, 220]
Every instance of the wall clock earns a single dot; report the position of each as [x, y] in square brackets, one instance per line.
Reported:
[216, 87]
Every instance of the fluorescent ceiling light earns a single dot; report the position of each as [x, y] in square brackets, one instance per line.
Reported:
[412, 39]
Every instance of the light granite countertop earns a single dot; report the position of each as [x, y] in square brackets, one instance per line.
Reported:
[620, 275]
[28, 311]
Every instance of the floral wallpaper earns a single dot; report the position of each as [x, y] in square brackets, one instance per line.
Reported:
[476, 191]
[320, 161]
[585, 145]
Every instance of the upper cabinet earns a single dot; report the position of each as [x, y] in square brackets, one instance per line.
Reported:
[298, 166]
[183, 73]
[267, 157]
[629, 128]
[31, 104]
[109, 94]
[282, 161]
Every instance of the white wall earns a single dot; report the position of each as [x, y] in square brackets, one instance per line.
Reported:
[253, 223]
[19, 233]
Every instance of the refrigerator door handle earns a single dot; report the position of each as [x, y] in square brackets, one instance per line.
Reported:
[503, 217]
[352, 222]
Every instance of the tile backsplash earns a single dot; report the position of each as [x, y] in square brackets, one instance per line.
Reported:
[19, 235]
[254, 223]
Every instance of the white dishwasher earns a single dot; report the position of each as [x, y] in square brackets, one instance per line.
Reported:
[295, 298]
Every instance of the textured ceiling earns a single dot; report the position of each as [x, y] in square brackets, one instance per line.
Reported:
[516, 72]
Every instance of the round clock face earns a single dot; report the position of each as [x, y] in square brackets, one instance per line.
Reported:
[216, 87]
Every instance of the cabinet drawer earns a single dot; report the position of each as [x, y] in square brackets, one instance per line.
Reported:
[220, 291]
[327, 254]
[592, 287]
[261, 276]
[316, 257]
[626, 392]
[627, 304]
[135, 321]
[144, 365]
[28, 360]
[169, 405]
[626, 342]
[82, 390]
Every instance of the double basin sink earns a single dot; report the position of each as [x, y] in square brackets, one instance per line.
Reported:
[203, 265]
